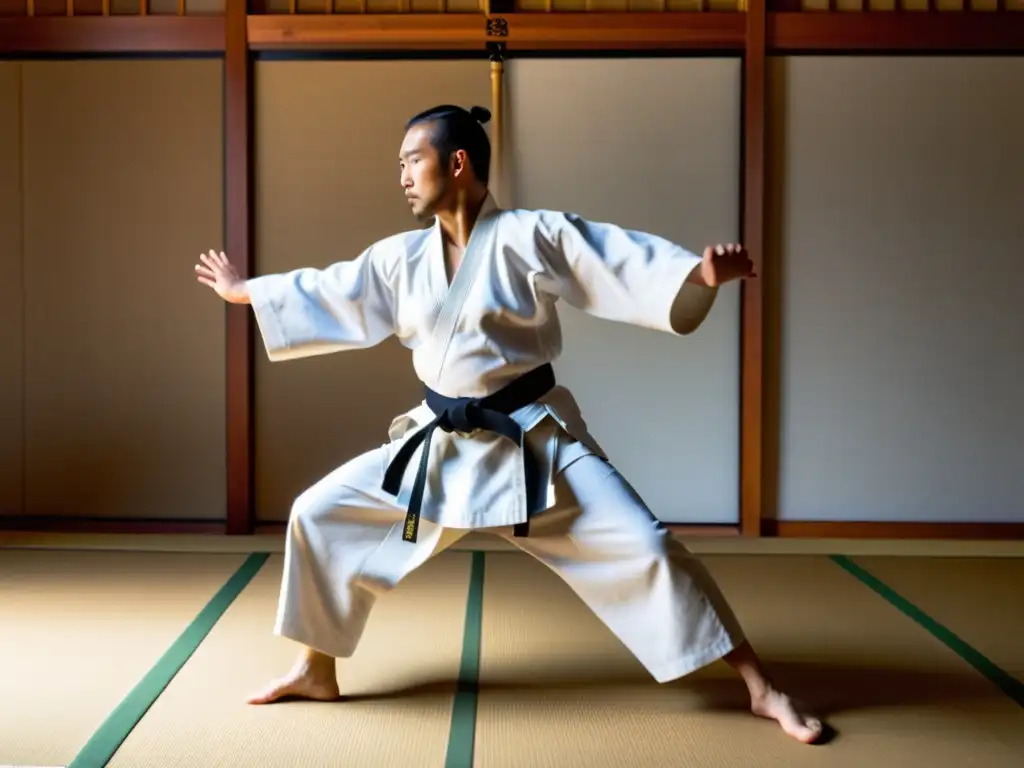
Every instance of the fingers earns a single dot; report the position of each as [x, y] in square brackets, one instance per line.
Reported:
[733, 259]
[216, 261]
[209, 266]
[731, 248]
[212, 269]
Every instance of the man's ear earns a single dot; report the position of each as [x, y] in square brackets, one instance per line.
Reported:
[459, 162]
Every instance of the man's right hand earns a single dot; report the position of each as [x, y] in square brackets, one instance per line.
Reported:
[216, 271]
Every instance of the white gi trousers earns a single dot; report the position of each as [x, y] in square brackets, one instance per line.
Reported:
[344, 549]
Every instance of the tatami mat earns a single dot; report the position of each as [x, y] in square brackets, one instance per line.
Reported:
[980, 600]
[401, 680]
[557, 689]
[78, 630]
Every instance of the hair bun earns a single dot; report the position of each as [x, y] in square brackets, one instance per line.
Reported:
[480, 114]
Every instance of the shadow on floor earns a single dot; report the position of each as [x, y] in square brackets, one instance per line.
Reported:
[828, 687]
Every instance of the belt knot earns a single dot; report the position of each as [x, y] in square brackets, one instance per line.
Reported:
[465, 416]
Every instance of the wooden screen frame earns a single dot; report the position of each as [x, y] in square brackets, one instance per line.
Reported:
[755, 33]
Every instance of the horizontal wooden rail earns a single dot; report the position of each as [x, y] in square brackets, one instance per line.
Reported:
[519, 31]
[787, 32]
[370, 31]
[624, 31]
[708, 530]
[120, 525]
[885, 529]
[803, 32]
[111, 34]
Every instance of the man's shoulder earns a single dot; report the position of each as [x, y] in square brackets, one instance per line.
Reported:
[543, 219]
[398, 247]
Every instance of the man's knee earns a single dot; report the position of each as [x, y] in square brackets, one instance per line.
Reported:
[337, 491]
[609, 506]
[307, 506]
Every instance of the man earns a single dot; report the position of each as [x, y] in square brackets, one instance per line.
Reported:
[500, 446]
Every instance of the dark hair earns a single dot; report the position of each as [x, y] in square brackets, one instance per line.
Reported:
[455, 128]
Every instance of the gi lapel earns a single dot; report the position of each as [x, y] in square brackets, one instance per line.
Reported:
[480, 245]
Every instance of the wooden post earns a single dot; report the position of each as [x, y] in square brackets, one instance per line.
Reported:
[237, 202]
[752, 307]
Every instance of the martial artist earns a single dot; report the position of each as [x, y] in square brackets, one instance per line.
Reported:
[497, 444]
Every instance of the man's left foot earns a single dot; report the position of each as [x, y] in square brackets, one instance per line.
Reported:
[778, 706]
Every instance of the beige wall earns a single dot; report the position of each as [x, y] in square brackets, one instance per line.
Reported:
[123, 356]
[895, 225]
[327, 186]
[650, 144]
[900, 234]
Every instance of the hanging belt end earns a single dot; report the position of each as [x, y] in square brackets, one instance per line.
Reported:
[412, 524]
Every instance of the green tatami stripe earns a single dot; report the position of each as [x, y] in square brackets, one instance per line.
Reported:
[115, 729]
[462, 735]
[999, 677]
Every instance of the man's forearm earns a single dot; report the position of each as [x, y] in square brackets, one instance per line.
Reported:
[696, 276]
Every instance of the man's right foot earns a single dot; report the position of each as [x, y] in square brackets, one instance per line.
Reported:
[300, 684]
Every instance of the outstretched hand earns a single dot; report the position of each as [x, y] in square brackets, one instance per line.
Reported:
[721, 264]
[218, 273]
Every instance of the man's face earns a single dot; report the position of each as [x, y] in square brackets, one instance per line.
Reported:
[425, 179]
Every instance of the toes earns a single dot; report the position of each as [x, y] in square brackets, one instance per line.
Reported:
[296, 689]
[811, 731]
[263, 698]
[270, 695]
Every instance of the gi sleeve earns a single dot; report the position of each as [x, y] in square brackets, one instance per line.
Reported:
[307, 312]
[624, 275]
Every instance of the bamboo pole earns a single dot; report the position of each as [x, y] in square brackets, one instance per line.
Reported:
[497, 102]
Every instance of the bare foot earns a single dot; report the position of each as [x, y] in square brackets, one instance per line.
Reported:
[312, 677]
[301, 686]
[778, 706]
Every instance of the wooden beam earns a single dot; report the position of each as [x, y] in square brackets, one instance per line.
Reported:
[625, 31]
[801, 529]
[703, 531]
[457, 31]
[797, 32]
[752, 303]
[111, 34]
[518, 31]
[239, 246]
[74, 524]
[686, 530]
[787, 32]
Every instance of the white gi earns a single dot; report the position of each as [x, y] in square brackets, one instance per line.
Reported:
[495, 322]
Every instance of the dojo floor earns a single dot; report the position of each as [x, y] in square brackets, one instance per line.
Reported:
[114, 655]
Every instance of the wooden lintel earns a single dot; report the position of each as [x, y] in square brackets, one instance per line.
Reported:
[887, 32]
[625, 31]
[518, 31]
[111, 34]
[787, 32]
[298, 32]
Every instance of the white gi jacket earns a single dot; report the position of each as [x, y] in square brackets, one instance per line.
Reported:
[495, 322]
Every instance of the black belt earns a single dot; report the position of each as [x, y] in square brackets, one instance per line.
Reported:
[466, 414]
